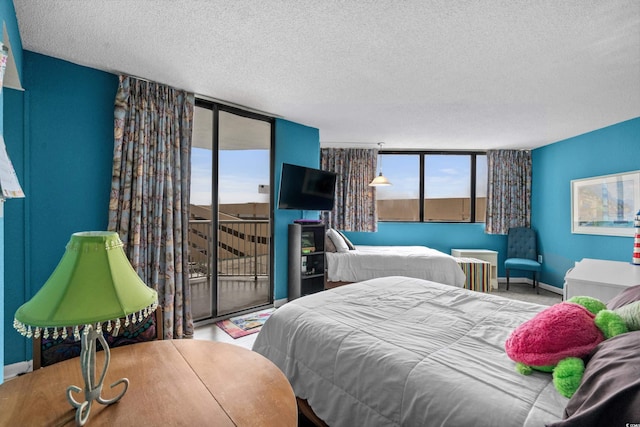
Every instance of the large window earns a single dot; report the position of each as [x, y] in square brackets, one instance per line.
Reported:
[230, 253]
[433, 187]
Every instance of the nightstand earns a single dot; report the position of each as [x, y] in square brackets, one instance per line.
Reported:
[483, 254]
[599, 278]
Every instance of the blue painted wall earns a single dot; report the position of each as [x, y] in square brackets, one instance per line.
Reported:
[15, 210]
[609, 150]
[68, 151]
[440, 236]
[605, 151]
[2, 291]
[8, 17]
[299, 145]
[61, 131]
[67, 165]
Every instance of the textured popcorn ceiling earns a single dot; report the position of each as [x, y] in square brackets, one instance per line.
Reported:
[436, 74]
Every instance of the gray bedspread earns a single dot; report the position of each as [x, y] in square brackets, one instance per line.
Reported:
[403, 351]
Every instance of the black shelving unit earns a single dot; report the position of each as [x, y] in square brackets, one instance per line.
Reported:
[306, 259]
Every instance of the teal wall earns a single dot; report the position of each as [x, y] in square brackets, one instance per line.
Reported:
[8, 17]
[15, 213]
[59, 133]
[63, 128]
[299, 145]
[440, 236]
[605, 151]
[63, 149]
[1, 290]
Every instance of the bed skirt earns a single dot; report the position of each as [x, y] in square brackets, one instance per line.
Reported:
[331, 285]
[307, 411]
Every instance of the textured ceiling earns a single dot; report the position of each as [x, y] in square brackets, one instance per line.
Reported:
[435, 74]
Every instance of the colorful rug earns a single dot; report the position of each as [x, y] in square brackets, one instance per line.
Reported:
[246, 324]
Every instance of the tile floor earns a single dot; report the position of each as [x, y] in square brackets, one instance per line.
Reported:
[213, 333]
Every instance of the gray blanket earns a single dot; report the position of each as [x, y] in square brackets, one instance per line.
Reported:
[401, 351]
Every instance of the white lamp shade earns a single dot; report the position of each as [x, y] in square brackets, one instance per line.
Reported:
[379, 181]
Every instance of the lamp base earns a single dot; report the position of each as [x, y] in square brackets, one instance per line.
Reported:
[92, 390]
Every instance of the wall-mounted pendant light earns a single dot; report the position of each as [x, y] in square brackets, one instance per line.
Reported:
[379, 180]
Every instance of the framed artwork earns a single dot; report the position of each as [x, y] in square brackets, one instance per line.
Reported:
[605, 204]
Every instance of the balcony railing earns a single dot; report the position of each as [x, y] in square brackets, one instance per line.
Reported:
[243, 266]
[243, 248]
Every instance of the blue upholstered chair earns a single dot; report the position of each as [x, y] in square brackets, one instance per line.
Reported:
[522, 253]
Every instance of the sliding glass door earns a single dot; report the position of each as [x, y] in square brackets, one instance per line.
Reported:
[231, 210]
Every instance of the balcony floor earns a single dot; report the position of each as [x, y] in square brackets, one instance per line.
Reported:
[235, 293]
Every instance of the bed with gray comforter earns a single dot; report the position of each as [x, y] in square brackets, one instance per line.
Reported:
[399, 351]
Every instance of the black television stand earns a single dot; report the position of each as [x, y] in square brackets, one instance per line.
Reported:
[306, 259]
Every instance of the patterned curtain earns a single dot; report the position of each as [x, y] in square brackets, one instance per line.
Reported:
[149, 204]
[508, 190]
[355, 207]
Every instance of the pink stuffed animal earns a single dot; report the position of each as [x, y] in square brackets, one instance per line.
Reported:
[557, 339]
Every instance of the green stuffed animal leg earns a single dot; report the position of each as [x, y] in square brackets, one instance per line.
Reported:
[523, 369]
[567, 375]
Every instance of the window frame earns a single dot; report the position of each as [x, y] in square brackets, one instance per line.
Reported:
[473, 178]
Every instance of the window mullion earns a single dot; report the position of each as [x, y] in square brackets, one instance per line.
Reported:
[472, 217]
[421, 195]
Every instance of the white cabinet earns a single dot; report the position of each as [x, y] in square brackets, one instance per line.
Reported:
[482, 254]
[600, 278]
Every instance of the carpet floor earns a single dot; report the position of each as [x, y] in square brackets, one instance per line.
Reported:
[525, 292]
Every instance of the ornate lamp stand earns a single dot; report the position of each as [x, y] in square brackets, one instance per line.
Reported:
[92, 390]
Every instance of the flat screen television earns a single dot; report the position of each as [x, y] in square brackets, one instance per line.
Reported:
[306, 189]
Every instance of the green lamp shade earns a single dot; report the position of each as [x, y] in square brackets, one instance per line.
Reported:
[93, 283]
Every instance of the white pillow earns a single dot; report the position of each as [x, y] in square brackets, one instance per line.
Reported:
[346, 240]
[338, 241]
[328, 244]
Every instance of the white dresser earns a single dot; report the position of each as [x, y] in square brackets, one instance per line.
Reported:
[600, 279]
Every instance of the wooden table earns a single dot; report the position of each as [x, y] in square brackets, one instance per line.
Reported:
[172, 383]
